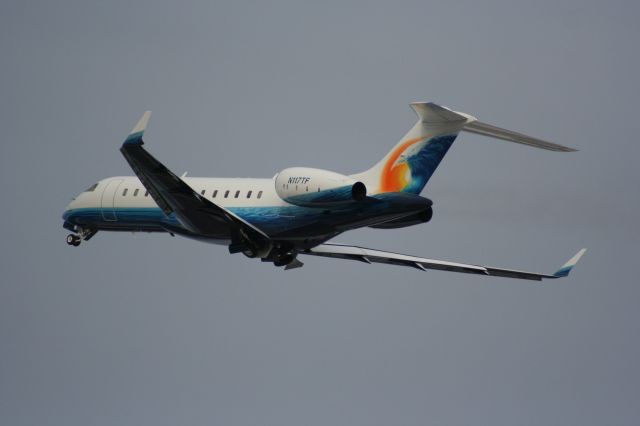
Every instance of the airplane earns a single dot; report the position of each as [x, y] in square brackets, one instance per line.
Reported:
[300, 209]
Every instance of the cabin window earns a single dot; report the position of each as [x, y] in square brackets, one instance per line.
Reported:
[307, 189]
[249, 194]
[92, 187]
[125, 192]
[135, 193]
[203, 191]
[237, 194]
[226, 193]
[146, 193]
[214, 194]
[260, 194]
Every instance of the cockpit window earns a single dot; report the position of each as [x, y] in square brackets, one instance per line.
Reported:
[92, 187]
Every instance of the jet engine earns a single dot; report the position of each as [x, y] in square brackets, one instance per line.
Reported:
[309, 187]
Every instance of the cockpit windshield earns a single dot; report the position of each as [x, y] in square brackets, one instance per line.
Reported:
[91, 188]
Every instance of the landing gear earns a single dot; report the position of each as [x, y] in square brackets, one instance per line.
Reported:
[284, 259]
[81, 234]
[73, 240]
[285, 255]
[280, 253]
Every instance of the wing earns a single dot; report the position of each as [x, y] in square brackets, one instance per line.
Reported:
[197, 214]
[340, 251]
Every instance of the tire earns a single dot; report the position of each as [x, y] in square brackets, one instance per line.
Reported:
[73, 240]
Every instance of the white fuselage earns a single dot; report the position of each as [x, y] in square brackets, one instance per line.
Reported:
[125, 192]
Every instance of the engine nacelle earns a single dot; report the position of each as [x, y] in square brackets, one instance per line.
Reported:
[305, 186]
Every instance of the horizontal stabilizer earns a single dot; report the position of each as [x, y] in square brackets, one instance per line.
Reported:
[434, 114]
[430, 113]
[480, 128]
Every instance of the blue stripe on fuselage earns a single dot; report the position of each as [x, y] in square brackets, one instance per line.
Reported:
[273, 220]
[270, 219]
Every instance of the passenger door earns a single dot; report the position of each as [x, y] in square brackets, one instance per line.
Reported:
[108, 198]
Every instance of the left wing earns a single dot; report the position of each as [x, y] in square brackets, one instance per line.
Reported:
[173, 195]
[340, 251]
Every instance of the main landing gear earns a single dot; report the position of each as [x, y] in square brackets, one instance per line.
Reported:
[82, 234]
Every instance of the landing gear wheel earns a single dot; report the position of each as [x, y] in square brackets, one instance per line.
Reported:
[73, 240]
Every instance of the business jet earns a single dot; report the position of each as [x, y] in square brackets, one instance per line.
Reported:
[300, 209]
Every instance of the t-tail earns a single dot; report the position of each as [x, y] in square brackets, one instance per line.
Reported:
[411, 163]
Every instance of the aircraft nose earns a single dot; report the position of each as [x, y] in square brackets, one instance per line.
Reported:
[67, 213]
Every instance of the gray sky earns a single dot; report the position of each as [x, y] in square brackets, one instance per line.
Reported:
[154, 330]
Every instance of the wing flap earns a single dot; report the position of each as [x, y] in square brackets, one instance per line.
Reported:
[366, 255]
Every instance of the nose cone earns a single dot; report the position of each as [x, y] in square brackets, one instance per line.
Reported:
[67, 215]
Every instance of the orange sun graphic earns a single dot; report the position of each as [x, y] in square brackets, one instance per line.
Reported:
[396, 177]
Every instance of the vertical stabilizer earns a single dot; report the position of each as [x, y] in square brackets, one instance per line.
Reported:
[410, 164]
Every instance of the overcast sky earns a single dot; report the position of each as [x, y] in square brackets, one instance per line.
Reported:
[153, 330]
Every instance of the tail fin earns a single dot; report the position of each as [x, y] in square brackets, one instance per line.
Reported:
[410, 164]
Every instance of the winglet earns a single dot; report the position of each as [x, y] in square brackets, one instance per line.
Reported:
[135, 137]
[566, 268]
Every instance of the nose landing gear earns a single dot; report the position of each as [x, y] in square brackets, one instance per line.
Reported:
[73, 240]
[82, 234]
